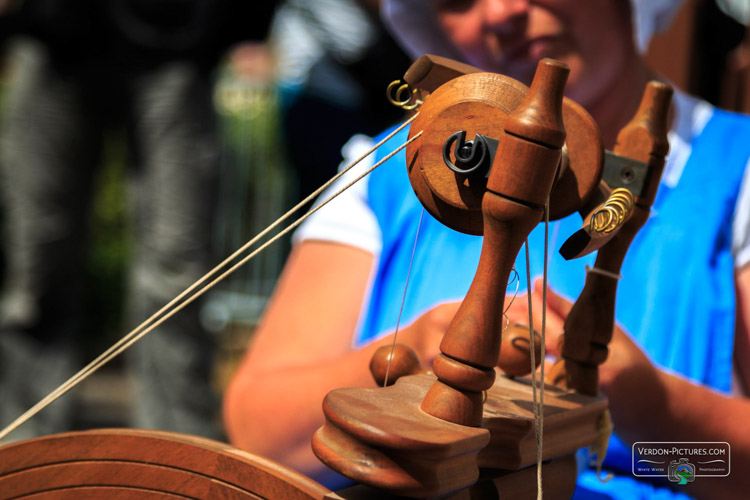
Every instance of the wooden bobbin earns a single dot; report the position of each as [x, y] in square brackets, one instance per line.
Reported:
[479, 103]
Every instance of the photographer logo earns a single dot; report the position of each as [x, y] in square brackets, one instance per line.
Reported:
[681, 462]
[681, 471]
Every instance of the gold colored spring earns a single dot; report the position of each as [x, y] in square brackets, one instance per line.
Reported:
[403, 95]
[614, 212]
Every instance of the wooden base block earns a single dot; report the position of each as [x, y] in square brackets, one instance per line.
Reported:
[570, 423]
[381, 438]
[558, 482]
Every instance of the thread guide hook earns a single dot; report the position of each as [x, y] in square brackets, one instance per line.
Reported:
[474, 157]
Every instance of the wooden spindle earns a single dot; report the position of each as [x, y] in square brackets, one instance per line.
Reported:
[518, 188]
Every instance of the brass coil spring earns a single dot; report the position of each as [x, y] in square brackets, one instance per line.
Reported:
[403, 95]
[614, 212]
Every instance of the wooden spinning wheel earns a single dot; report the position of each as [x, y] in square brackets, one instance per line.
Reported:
[429, 434]
[139, 464]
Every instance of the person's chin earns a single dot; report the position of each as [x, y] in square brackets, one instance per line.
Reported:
[519, 69]
[523, 70]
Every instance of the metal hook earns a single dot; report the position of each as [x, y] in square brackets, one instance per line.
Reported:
[471, 156]
[614, 212]
[395, 93]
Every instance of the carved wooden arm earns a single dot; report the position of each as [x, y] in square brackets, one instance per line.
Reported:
[589, 326]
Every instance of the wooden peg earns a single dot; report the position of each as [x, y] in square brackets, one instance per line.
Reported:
[515, 351]
[592, 236]
[644, 138]
[430, 72]
[397, 361]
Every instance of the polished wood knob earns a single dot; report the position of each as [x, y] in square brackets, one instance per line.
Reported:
[515, 351]
[403, 361]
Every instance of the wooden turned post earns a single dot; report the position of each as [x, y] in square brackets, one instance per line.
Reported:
[589, 326]
[517, 190]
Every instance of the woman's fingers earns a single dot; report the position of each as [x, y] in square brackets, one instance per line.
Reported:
[556, 303]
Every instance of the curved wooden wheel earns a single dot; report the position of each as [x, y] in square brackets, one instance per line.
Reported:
[480, 103]
[143, 465]
[476, 103]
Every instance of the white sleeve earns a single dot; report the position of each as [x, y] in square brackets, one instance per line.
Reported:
[741, 223]
[347, 219]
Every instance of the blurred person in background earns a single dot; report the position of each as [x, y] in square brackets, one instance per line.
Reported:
[78, 70]
[334, 61]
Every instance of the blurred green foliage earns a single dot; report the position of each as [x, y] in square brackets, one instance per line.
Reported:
[109, 250]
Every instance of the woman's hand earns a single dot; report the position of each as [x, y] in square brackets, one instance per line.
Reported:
[425, 334]
[626, 367]
[558, 307]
